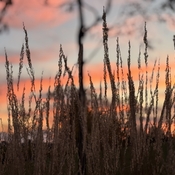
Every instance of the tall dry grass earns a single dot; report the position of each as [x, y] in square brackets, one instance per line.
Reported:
[116, 139]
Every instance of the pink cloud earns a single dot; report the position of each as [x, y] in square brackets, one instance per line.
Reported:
[37, 55]
[35, 14]
[170, 21]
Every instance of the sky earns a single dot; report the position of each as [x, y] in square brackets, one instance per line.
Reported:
[50, 26]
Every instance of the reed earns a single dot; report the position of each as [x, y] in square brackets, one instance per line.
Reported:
[116, 140]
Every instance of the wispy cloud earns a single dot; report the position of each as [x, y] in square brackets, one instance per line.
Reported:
[35, 14]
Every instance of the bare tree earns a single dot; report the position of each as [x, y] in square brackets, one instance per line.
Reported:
[128, 9]
[145, 10]
[162, 11]
[82, 31]
[81, 34]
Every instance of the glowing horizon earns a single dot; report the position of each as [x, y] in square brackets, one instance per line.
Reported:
[48, 27]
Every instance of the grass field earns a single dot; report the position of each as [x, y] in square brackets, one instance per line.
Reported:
[127, 134]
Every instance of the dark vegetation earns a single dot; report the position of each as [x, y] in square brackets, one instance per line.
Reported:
[100, 137]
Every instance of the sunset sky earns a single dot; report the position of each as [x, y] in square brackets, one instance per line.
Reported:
[48, 26]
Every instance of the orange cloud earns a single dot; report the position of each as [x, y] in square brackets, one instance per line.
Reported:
[96, 72]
